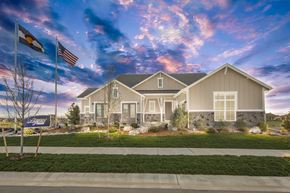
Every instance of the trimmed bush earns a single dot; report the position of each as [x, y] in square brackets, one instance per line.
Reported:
[134, 125]
[222, 126]
[263, 126]
[179, 118]
[242, 126]
[154, 129]
[200, 124]
[28, 131]
[211, 130]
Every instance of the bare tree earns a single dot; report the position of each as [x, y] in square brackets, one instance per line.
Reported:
[111, 100]
[21, 99]
[111, 95]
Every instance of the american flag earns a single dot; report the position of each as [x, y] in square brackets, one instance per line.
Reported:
[67, 55]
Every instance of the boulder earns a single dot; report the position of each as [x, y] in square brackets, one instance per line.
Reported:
[85, 129]
[134, 132]
[255, 130]
[143, 129]
[173, 129]
[127, 128]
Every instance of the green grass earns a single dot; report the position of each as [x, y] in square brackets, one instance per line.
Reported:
[194, 141]
[211, 165]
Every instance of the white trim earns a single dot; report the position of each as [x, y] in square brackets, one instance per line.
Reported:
[154, 113]
[231, 67]
[250, 110]
[225, 93]
[154, 102]
[162, 80]
[238, 110]
[156, 74]
[158, 94]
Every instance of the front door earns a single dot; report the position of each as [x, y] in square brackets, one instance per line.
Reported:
[168, 110]
[129, 113]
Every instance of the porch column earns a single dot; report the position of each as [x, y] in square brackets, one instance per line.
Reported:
[161, 109]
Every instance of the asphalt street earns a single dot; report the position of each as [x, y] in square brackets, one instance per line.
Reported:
[35, 189]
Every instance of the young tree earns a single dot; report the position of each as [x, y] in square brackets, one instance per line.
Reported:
[179, 118]
[111, 100]
[73, 114]
[21, 99]
[286, 122]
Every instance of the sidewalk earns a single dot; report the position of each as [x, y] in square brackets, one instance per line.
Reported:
[168, 181]
[151, 151]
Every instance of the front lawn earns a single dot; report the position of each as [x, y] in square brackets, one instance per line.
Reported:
[211, 165]
[194, 141]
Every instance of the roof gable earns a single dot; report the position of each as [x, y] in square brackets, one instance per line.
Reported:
[234, 69]
[87, 92]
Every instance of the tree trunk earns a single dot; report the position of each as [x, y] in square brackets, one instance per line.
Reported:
[22, 140]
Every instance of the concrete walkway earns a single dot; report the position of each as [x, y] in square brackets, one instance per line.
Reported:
[151, 151]
[164, 181]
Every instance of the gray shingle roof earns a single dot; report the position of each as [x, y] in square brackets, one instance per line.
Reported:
[132, 79]
[87, 92]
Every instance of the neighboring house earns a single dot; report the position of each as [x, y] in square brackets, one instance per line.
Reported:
[226, 94]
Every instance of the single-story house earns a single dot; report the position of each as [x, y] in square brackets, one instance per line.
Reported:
[226, 94]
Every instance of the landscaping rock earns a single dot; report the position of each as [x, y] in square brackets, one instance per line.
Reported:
[127, 128]
[85, 129]
[143, 129]
[134, 132]
[255, 130]
[173, 129]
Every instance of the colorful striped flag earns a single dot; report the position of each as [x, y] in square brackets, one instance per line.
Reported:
[25, 37]
[67, 55]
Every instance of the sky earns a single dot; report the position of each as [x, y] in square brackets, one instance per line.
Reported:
[135, 36]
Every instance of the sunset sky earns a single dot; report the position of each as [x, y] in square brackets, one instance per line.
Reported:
[147, 36]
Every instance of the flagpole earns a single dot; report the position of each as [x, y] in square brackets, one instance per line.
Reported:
[56, 77]
[15, 65]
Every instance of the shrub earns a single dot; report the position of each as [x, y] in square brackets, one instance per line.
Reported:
[211, 130]
[286, 122]
[200, 124]
[222, 127]
[154, 129]
[179, 118]
[28, 131]
[263, 126]
[242, 126]
[134, 125]
[112, 130]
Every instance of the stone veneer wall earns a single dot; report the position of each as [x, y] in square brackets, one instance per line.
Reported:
[251, 118]
[89, 119]
[152, 117]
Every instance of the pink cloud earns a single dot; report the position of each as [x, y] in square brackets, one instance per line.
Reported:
[205, 26]
[209, 4]
[169, 63]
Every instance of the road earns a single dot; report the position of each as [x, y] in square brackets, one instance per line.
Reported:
[35, 189]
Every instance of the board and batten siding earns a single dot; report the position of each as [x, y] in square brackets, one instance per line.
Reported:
[249, 94]
[168, 83]
[125, 95]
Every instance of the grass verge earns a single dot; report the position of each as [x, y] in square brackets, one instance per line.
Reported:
[194, 141]
[211, 165]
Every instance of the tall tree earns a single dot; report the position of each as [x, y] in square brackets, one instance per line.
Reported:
[21, 99]
[73, 114]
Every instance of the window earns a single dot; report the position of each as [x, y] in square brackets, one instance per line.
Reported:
[101, 110]
[160, 82]
[151, 106]
[87, 109]
[225, 104]
[115, 92]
